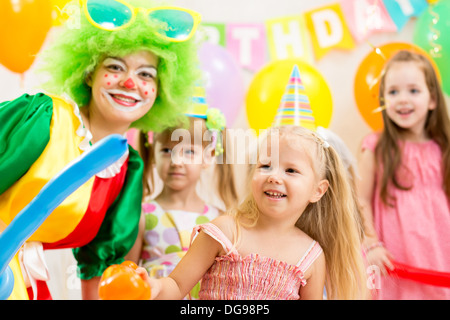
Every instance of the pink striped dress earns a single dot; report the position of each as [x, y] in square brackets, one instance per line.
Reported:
[253, 277]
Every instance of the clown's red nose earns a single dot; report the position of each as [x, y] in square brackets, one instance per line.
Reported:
[129, 83]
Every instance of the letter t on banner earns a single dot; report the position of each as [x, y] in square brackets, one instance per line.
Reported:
[247, 43]
[287, 38]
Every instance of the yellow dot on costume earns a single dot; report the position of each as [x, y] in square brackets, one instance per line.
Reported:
[185, 238]
[172, 249]
[150, 221]
[167, 221]
[201, 220]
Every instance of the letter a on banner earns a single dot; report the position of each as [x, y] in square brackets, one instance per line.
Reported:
[287, 38]
[366, 17]
[328, 30]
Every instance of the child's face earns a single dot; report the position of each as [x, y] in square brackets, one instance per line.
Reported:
[284, 181]
[124, 89]
[179, 164]
[407, 96]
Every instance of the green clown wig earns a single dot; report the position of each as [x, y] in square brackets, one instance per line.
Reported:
[80, 47]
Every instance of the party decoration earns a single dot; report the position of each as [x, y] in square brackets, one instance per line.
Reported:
[199, 105]
[224, 83]
[366, 17]
[24, 26]
[213, 33]
[402, 11]
[368, 74]
[214, 118]
[121, 282]
[269, 84]
[431, 34]
[246, 42]
[328, 30]
[287, 37]
[431, 277]
[100, 156]
[294, 108]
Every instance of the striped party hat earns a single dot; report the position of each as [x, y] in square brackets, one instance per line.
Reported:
[294, 108]
[199, 106]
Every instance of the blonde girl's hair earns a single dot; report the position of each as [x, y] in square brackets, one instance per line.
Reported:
[225, 184]
[334, 221]
[437, 127]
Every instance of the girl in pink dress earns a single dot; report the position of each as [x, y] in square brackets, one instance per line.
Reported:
[405, 179]
[298, 227]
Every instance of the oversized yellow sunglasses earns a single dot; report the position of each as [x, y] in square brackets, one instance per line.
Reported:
[177, 24]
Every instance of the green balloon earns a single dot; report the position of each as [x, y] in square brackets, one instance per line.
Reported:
[431, 33]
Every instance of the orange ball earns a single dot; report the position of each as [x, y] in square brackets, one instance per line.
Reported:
[121, 282]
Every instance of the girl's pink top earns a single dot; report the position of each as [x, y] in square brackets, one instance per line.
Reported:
[252, 277]
[417, 229]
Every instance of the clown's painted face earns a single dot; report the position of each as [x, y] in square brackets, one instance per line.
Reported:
[124, 88]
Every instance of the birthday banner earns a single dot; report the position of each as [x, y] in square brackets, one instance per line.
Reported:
[312, 34]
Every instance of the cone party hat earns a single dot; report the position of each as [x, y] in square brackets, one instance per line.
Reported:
[199, 106]
[294, 108]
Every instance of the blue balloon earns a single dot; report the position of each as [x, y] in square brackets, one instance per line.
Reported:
[75, 174]
[6, 283]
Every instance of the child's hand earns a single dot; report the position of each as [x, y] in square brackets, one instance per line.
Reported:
[380, 257]
[154, 284]
[122, 282]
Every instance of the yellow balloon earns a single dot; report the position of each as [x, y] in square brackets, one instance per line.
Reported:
[269, 84]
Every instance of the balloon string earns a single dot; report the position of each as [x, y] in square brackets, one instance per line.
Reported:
[376, 79]
[22, 81]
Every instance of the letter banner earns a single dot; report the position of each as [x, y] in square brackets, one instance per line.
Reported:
[286, 38]
[365, 17]
[213, 33]
[401, 10]
[328, 30]
[247, 43]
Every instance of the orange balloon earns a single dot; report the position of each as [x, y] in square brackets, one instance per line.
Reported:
[121, 282]
[24, 25]
[368, 75]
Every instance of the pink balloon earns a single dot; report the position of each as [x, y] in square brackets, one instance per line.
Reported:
[224, 84]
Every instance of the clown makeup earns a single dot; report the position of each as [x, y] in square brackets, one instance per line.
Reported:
[124, 88]
[124, 101]
[127, 101]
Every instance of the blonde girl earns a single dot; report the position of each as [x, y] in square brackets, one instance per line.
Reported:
[297, 231]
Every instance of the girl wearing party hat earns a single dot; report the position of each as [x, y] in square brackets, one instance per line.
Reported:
[288, 238]
[180, 155]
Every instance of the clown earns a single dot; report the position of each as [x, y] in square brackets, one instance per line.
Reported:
[121, 66]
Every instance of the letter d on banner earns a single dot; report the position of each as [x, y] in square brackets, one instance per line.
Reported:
[328, 30]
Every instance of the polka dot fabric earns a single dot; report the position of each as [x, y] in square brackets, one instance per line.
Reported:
[167, 237]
